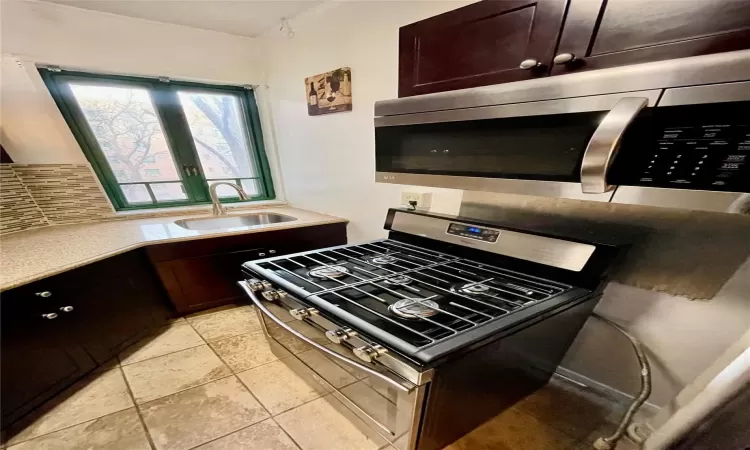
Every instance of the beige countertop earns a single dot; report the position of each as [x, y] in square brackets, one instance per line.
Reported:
[32, 255]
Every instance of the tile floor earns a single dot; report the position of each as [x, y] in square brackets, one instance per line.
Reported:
[212, 381]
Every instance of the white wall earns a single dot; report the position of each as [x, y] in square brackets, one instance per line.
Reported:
[683, 337]
[33, 131]
[328, 161]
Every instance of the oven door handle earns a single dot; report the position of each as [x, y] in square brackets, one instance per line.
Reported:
[604, 143]
[404, 387]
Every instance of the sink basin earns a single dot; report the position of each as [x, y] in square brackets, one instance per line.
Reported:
[223, 222]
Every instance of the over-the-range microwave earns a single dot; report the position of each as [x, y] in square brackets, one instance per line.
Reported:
[671, 133]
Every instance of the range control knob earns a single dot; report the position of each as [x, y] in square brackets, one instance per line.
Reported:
[257, 285]
[301, 313]
[66, 309]
[274, 295]
[369, 353]
[339, 335]
[44, 294]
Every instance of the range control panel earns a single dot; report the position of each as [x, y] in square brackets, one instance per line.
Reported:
[699, 150]
[473, 232]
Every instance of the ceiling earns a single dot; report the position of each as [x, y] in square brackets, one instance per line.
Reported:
[247, 18]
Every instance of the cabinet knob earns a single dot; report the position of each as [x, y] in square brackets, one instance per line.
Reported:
[528, 64]
[564, 58]
[50, 316]
[66, 309]
[44, 294]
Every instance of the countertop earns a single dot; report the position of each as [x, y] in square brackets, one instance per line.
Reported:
[32, 255]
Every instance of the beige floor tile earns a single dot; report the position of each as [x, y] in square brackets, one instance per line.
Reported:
[246, 351]
[171, 338]
[282, 385]
[227, 323]
[119, 431]
[95, 396]
[167, 374]
[514, 430]
[321, 425]
[201, 414]
[261, 436]
[575, 412]
[331, 372]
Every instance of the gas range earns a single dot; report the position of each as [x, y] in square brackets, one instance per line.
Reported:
[441, 301]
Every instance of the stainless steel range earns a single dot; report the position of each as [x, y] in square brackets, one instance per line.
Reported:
[445, 323]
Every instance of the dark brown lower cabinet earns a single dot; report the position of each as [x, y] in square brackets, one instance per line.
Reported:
[56, 330]
[203, 274]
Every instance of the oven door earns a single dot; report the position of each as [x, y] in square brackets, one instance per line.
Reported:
[558, 148]
[383, 404]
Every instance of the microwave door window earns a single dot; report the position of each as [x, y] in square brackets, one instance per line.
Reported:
[540, 147]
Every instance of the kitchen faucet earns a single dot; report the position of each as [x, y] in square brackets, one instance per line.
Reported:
[218, 208]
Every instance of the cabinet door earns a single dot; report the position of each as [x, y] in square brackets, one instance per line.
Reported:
[39, 355]
[114, 303]
[610, 33]
[480, 44]
[205, 281]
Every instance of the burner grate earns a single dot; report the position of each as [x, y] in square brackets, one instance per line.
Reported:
[417, 295]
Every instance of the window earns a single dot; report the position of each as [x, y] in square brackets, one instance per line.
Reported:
[155, 143]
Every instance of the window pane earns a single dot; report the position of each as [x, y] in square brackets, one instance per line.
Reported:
[168, 191]
[219, 133]
[128, 131]
[251, 187]
[224, 191]
[136, 193]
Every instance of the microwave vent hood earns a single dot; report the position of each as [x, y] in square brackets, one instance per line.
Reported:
[672, 133]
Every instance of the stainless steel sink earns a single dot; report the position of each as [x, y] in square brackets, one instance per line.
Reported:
[223, 222]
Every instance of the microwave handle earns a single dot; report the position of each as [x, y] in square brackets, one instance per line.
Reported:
[601, 150]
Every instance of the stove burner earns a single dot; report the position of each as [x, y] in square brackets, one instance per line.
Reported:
[472, 289]
[383, 260]
[326, 272]
[398, 280]
[410, 308]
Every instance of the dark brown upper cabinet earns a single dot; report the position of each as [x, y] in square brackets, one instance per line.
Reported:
[490, 41]
[607, 33]
[479, 44]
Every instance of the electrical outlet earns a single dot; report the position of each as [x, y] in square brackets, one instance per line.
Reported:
[423, 199]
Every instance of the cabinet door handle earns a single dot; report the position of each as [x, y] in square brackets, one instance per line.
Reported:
[565, 58]
[195, 171]
[44, 294]
[528, 64]
[50, 316]
[66, 309]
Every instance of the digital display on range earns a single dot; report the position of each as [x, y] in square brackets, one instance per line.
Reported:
[469, 231]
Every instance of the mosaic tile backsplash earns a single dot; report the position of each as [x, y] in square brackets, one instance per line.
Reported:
[18, 211]
[55, 194]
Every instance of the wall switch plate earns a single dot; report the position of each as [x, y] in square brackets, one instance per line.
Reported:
[423, 199]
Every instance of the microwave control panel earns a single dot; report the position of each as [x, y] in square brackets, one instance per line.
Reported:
[712, 154]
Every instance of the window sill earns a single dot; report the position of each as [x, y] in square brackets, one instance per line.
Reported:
[177, 210]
